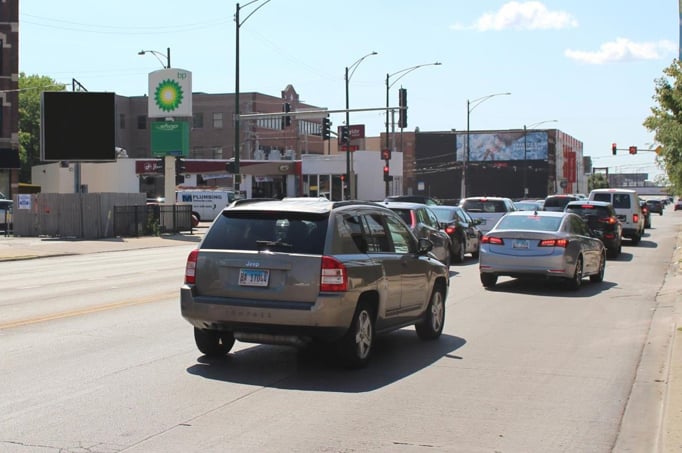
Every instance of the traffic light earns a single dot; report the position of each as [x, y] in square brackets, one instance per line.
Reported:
[230, 167]
[613, 148]
[387, 177]
[632, 150]
[345, 135]
[286, 120]
[326, 128]
[386, 154]
[179, 165]
[402, 103]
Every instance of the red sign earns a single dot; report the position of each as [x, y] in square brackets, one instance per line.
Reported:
[356, 131]
[352, 148]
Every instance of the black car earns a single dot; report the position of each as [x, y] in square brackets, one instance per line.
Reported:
[558, 202]
[655, 206]
[463, 231]
[603, 222]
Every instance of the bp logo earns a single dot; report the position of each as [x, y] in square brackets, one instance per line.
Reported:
[168, 95]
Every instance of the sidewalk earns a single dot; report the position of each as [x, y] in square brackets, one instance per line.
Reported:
[22, 248]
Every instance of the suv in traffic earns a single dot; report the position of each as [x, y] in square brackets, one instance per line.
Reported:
[487, 210]
[304, 270]
[628, 210]
[558, 202]
[603, 222]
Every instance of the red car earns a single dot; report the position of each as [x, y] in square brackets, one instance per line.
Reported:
[678, 205]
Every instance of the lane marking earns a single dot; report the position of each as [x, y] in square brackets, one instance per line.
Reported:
[87, 310]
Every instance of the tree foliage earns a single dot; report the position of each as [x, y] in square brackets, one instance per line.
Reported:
[597, 181]
[666, 122]
[30, 90]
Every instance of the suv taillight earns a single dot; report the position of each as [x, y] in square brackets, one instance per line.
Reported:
[191, 267]
[333, 275]
[635, 218]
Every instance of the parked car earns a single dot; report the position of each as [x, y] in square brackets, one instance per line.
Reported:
[626, 204]
[488, 210]
[655, 206]
[414, 199]
[424, 224]
[545, 244]
[603, 222]
[558, 202]
[645, 212]
[298, 271]
[678, 205]
[465, 237]
[528, 205]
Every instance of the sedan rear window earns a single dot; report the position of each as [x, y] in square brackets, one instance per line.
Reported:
[531, 222]
[277, 231]
[484, 206]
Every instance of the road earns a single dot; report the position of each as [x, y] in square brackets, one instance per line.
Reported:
[96, 358]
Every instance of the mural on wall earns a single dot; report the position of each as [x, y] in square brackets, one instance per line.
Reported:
[503, 146]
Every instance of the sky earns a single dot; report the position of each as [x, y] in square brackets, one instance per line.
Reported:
[586, 67]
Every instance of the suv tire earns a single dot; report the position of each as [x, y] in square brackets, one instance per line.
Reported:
[458, 255]
[434, 317]
[355, 347]
[212, 343]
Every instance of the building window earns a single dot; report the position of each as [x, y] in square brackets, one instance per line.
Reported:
[121, 121]
[198, 120]
[218, 120]
[141, 122]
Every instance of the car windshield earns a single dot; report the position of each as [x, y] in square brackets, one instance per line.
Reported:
[444, 214]
[277, 231]
[529, 222]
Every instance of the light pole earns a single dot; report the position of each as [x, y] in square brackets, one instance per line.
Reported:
[525, 153]
[402, 73]
[238, 23]
[158, 56]
[350, 70]
[465, 157]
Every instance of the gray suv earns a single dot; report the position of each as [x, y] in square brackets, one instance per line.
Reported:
[304, 270]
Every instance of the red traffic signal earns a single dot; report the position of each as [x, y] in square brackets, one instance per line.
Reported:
[387, 177]
[386, 154]
[613, 148]
[632, 150]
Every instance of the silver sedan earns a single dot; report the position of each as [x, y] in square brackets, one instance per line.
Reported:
[542, 244]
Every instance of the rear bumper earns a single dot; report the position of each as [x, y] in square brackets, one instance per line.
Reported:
[328, 318]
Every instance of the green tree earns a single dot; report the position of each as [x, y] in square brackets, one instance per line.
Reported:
[597, 181]
[666, 122]
[30, 89]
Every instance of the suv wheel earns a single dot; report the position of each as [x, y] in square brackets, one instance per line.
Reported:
[434, 318]
[212, 343]
[356, 346]
[636, 238]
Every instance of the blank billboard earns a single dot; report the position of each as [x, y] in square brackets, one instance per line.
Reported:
[77, 126]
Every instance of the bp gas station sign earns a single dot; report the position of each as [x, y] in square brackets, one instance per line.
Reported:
[170, 93]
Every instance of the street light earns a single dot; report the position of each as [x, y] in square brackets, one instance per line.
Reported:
[158, 56]
[402, 73]
[471, 105]
[525, 152]
[349, 175]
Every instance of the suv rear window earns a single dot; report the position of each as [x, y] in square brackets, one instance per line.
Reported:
[278, 231]
[558, 202]
[484, 206]
[620, 200]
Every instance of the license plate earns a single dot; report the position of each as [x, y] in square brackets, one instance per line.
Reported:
[254, 277]
[520, 244]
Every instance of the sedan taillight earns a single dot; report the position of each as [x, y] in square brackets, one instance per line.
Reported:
[333, 275]
[492, 240]
[553, 243]
[191, 267]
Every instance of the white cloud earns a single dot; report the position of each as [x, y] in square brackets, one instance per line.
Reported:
[521, 16]
[622, 49]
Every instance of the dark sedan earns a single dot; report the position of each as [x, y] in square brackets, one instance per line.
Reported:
[463, 231]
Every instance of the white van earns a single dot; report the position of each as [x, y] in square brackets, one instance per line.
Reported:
[626, 204]
[206, 204]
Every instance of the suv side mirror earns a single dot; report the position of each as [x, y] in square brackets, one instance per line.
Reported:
[424, 246]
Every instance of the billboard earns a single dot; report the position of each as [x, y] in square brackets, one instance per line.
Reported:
[170, 93]
[510, 145]
[170, 138]
[77, 126]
